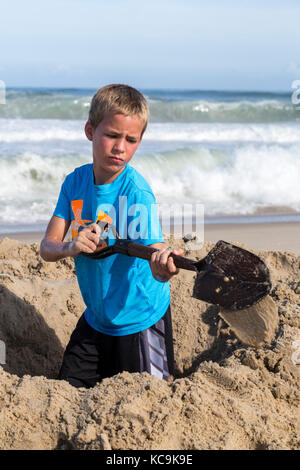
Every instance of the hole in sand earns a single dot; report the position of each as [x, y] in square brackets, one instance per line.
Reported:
[220, 344]
[32, 347]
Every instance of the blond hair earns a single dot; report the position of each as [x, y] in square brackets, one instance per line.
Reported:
[119, 99]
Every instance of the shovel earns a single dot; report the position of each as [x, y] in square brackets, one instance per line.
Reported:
[228, 276]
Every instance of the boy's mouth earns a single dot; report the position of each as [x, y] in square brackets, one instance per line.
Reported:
[116, 159]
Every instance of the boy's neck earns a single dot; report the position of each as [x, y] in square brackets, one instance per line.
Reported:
[103, 178]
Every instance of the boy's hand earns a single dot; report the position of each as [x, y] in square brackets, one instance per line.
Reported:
[87, 240]
[162, 265]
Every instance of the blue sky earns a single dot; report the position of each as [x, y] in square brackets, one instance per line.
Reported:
[157, 44]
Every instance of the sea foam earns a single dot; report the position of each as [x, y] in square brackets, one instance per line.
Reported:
[232, 152]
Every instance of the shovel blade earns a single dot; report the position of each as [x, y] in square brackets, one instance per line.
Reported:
[231, 277]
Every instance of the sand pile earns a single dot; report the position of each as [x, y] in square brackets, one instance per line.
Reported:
[224, 395]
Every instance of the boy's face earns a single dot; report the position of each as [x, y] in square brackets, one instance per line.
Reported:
[115, 140]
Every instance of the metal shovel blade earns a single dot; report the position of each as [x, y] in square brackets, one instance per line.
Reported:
[231, 277]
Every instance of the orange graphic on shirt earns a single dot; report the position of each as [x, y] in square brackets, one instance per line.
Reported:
[79, 222]
[105, 217]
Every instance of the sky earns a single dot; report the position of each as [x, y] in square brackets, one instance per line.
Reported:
[213, 44]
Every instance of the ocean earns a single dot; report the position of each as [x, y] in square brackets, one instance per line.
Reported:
[236, 153]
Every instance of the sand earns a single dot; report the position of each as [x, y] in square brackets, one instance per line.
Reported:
[224, 395]
[256, 236]
[254, 326]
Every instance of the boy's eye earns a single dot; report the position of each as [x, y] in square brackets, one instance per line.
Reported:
[131, 140]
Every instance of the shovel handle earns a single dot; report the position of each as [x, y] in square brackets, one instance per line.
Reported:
[145, 252]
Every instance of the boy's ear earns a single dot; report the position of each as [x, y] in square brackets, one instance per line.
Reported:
[88, 130]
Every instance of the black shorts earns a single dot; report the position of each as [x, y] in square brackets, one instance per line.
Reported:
[90, 356]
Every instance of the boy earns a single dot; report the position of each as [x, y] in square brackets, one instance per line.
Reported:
[127, 322]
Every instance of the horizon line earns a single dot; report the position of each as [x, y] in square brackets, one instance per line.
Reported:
[239, 90]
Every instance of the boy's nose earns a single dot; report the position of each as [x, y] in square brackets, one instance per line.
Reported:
[119, 145]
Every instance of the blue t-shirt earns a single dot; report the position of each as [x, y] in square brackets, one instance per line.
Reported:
[120, 293]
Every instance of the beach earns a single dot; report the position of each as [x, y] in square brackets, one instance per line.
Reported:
[234, 153]
[263, 236]
[224, 395]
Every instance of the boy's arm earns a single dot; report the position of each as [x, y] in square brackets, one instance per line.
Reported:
[53, 246]
[161, 264]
